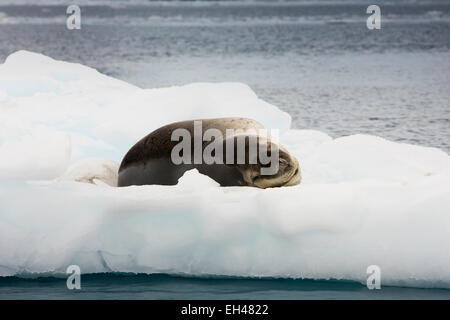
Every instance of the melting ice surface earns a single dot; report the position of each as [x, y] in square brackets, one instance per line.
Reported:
[363, 201]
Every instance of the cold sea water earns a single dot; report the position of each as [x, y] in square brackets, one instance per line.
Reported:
[315, 60]
[163, 286]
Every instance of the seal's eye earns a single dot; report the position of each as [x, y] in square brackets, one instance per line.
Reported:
[283, 163]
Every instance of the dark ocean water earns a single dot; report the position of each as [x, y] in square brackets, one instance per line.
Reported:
[314, 59]
[163, 286]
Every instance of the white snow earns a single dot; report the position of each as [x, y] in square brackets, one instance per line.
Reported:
[364, 200]
[93, 170]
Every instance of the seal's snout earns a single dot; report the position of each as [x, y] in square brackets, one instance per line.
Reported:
[296, 176]
[295, 179]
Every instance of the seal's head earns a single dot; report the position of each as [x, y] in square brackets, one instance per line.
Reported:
[269, 166]
[288, 173]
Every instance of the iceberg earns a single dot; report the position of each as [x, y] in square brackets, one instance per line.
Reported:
[64, 127]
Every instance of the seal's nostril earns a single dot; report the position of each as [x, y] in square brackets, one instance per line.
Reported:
[296, 171]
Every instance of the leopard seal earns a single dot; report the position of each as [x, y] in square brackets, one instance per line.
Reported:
[150, 161]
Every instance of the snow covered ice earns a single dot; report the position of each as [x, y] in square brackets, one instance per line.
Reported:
[65, 127]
